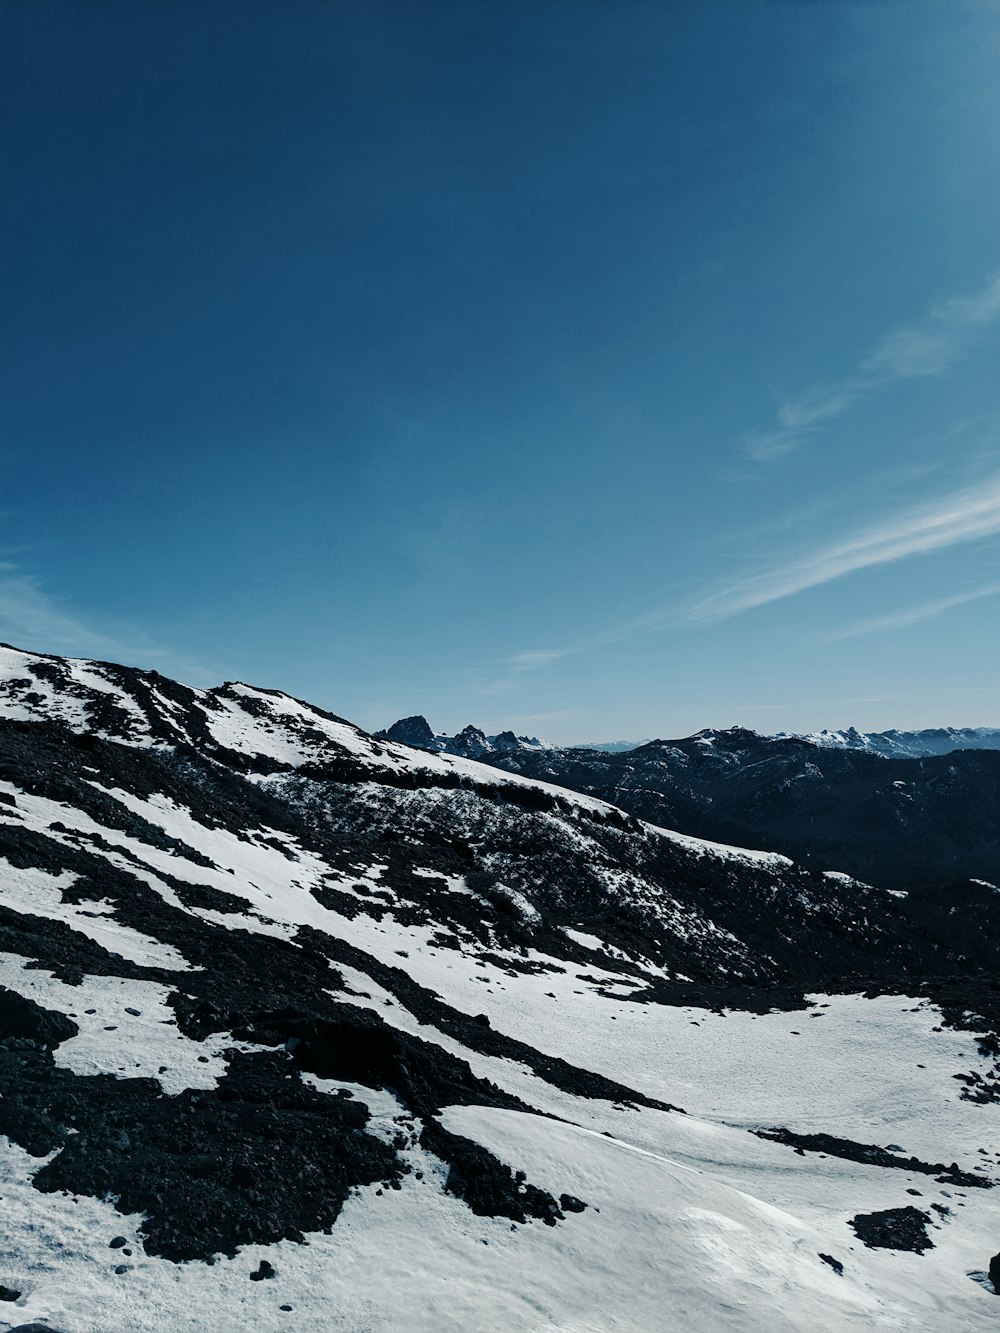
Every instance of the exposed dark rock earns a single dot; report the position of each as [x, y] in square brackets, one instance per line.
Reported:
[35, 1327]
[872, 1155]
[835, 1264]
[356, 1046]
[486, 1184]
[410, 731]
[894, 1229]
[22, 1017]
[258, 1159]
[432, 1010]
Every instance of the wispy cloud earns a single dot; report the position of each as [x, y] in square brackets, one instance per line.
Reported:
[968, 514]
[931, 345]
[925, 347]
[800, 414]
[912, 616]
[31, 618]
[533, 658]
[515, 666]
[768, 446]
[963, 516]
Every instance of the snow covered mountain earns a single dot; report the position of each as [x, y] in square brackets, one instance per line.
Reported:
[302, 1028]
[905, 744]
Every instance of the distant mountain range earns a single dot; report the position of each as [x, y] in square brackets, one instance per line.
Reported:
[904, 744]
[889, 821]
[473, 743]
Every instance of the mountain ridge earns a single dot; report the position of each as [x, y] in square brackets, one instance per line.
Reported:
[897, 820]
[902, 744]
[892, 743]
[471, 742]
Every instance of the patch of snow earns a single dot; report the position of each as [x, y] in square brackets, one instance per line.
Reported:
[38, 893]
[115, 1040]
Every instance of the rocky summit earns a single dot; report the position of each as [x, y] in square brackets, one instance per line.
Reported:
[471, 742]
[304, 1028]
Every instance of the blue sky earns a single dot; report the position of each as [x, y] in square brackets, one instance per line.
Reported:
[597, 369]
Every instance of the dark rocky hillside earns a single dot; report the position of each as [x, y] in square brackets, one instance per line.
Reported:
[895, 822]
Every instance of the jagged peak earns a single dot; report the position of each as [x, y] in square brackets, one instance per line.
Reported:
[470, 741]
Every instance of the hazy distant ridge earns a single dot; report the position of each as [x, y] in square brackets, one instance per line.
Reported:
[904, 744]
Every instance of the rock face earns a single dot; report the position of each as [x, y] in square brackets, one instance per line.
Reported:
[471, 742]
[411, 731]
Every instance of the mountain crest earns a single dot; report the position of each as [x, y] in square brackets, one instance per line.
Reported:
[471, 742]
[410, 731]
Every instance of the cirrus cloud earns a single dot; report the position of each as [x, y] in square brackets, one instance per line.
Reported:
[924, 347]
[963, 516]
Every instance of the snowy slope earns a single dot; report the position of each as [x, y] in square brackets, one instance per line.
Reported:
[415, 1035]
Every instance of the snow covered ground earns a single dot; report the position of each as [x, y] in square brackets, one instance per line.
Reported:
[690, 1224]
